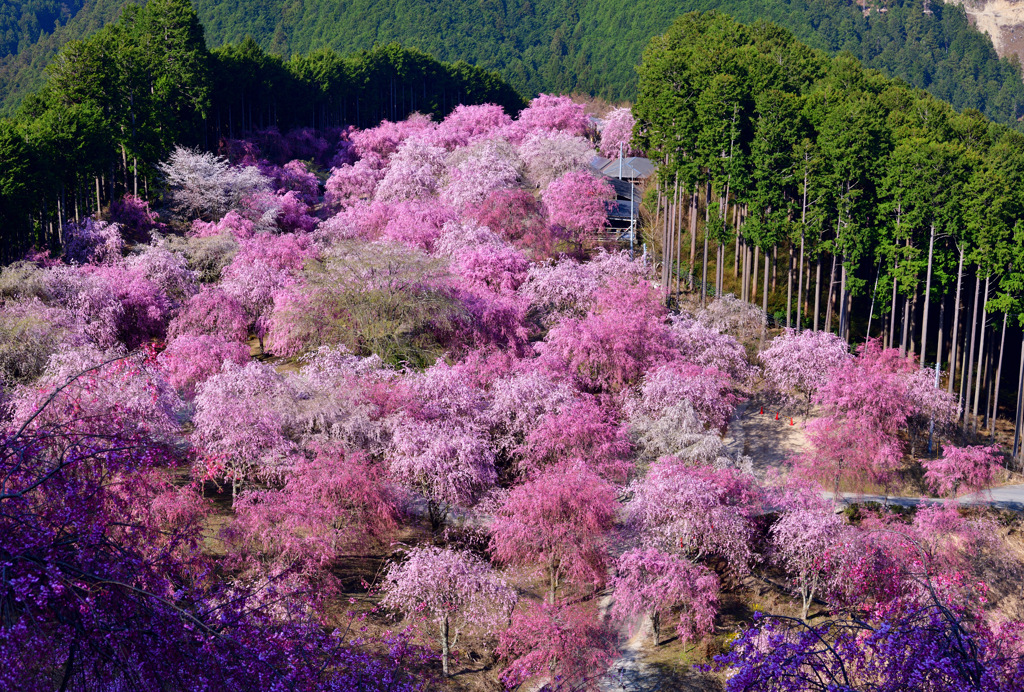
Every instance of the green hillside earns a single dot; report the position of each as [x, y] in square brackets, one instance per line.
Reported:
[585, 45]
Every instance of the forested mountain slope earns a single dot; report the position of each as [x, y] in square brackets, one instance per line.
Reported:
[585, 45]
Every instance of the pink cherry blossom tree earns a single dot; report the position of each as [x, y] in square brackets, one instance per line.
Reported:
[703, 511]
[475, 171]
[802, 362]
[415, 171]
[211, 311]
[93, 242]
[972, 468]
[468, 124]
[616, 344]
[550, 113]
[237, 439]
[708, 347]
[583, 432]
[350, 183]
[807, 543]
[617, 134]
[455, 588]
[848, 452]
[565, 643]
[558, 520]
[331, 503]
[516, 215]
[189, 360]
[576, 202]
[651, 583]
[708, 390]
[550, 155]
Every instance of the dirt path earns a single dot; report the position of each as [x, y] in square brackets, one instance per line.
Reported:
[762, 437]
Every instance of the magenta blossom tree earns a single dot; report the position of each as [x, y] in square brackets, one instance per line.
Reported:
[576, 202]
[457, 589]
[559, 520]
[329, 504]
[190, 360]
[616, 344]
[550, 113]
[550, 155]
[651, 583]
[617, 134]
[802, 362]
[807, 543]
[212, 311]
[564, 643]
[971, 468]
[703, 511]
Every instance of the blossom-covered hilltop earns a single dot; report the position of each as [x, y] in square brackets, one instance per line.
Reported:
[389, 407]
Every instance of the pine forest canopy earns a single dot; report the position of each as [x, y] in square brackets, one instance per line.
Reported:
[558, 46]
[903, 207]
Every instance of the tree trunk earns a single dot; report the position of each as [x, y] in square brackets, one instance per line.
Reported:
[969, 371]
[704, 264]
[800, 283]
[956, 324]
[679, 241]
[817, 293]
[844, 314]
[789, 288]
[831, 296]
[981, 351]
[444, 646]
[693, 230]
[1020, 404]
[927, 296]
[995, 389]
[753, 278]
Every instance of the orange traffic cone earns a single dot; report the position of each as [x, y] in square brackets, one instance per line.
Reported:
[791, 421]
[776, 416]
[762, 410]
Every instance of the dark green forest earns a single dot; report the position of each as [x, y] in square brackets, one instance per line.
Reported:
[561, 46]
[116, 103]
[871, 208]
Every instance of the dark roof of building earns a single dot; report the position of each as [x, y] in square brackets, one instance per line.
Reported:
[623, 189]
[621, 209]
[631, 167]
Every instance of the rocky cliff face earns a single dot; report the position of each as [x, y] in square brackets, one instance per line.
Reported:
[1003, 20]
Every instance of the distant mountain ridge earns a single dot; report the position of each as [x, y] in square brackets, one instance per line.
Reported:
[583, 45]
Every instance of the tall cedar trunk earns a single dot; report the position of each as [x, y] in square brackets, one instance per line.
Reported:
[789, 288]
[704, 264]
[969, 366]
[764, 299]
[800, 283]
[817, 293]
[938, 365]
[927, 296]
[693, 230]
[679, 240]
[831, 296]
[844, 314]
[956, 323]
[1020, 404]
[775, 267]
[665, 244]
[905, 332]
[995, 389]
[911, 344]
[753, 278]
[981, 351]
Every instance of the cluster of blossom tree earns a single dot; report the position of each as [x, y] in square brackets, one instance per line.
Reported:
[437, 340]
